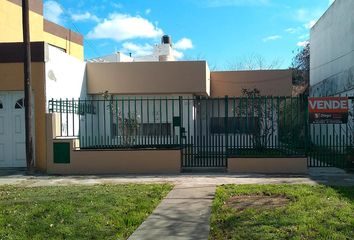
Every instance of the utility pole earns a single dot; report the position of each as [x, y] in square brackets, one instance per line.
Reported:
[27, 85]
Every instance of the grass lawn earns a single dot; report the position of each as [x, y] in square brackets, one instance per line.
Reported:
[283, 212]
[76, 212]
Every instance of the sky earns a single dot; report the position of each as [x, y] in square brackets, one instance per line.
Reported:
[223, 32]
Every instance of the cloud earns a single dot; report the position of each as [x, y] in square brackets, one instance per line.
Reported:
[293, 30]
[228, 3]
[302, 44]
[121, 27]
[304, 36]
[84, 17]
[183, 44]
[177, 54]
[137, 50]
[53, 11]
[116, 5]
[271, 38]
[148, 11]
[310, 24]
[307, 15]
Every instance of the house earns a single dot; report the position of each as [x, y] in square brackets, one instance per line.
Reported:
[82, 107]
[12, 143]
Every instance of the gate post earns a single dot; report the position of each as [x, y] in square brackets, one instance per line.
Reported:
[307, 123]
[226, 126]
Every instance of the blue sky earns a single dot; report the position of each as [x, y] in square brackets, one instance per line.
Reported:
[223, 32]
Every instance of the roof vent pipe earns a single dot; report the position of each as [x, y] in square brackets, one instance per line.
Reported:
[166, 39]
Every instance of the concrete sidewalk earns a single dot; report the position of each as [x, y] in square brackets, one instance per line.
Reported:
[184, 214]
[328, 176]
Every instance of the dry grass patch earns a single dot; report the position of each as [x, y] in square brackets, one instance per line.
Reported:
[259, 202]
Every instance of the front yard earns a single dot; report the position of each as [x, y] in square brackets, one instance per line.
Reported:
[283, 212]
[76, 212]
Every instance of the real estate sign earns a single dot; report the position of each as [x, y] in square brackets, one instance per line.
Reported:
[328, 110]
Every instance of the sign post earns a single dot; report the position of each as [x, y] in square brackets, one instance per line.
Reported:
[328, 110]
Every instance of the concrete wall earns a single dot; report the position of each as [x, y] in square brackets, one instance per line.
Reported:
[65, 75]
[332, 51]
[269, 82]
[268, 165]
[40, 29]
[11, 22]
[11, 79]
[148, 78]
[109, 162]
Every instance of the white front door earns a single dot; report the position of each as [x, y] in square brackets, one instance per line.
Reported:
[12, 130]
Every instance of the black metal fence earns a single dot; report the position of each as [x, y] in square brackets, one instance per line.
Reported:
[208, 130]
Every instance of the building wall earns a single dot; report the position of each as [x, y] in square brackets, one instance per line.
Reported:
[64, 38]
[148, 78]
[11, 21]
[332, 51]
[269, 82]
[40, 29]
[65, 75]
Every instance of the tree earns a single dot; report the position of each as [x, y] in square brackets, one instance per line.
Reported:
[301, 67]
[128, 125]
[254, 62]
[262, 118]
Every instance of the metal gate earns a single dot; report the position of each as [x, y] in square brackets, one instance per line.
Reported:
[332, 145]
[217, 128]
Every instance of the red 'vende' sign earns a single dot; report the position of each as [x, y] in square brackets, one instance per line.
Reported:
[328, 105]
[328, 109]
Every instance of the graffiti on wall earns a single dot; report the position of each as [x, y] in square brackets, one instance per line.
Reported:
[335, 85]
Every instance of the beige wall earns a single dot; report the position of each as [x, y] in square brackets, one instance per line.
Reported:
[148, 78]
[11, 79]
[109, 161]
[268, 165]
[269, 82]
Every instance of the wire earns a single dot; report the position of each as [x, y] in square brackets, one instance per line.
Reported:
[83, 36]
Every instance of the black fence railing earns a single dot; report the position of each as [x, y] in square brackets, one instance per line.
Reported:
[208, 130]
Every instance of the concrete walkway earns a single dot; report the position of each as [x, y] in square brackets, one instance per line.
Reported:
[326, 176]
[184, 214]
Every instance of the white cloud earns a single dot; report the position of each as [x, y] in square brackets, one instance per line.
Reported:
[226, 3]
[122, 27]
[271, 38]
[117, 5]
[148, 11]
[84, 17]
[293, 30]
[183, 44]
[177, 54]
[310, 24]
[307, 15]
[53, 11]
[137, 50]
[302, 44]
[304, 36]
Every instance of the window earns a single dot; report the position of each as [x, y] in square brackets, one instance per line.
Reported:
[19, 104]
[1, 105]
[155, 129]
[234, 125]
